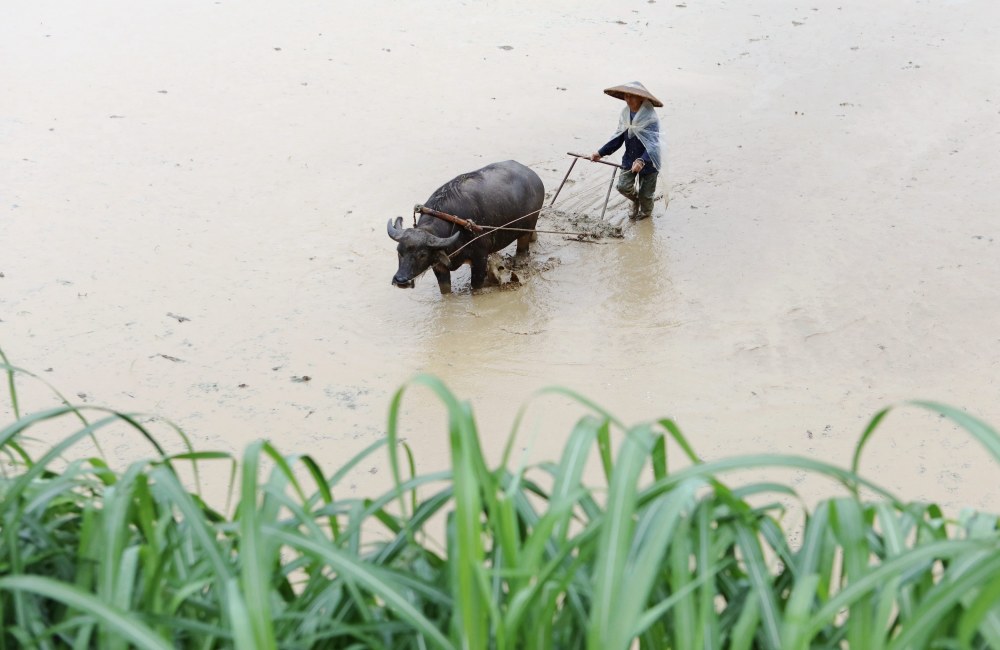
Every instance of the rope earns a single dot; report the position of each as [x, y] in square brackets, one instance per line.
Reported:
[490, 229]
[494, 228]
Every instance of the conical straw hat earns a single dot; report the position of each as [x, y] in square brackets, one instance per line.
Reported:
[632, 88]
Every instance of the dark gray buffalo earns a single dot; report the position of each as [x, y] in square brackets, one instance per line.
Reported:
[496, 195]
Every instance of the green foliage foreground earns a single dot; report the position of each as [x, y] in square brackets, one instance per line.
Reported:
[479, 557]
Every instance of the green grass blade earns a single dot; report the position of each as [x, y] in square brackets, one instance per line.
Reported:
[603, 438]
[747, 623]
[707, 567]
[986, 435]
[240, 620]
[849, 526]
[981, 615]
[938, 605]
[565, 392]
[203, 536]
[533, 556]
[894, 542]
[374, 579]
[469, 475]
[610, 628]
[675, 432]
[659, 458]
[982, 432]
[255, 555]
[11, 385]
[878, 576]
[115, 621]
[865, 436]
[656, 612]
[885, 612]
[795, 630]
[568, 477]
[661, 527]
[760, 579]
[706, 470]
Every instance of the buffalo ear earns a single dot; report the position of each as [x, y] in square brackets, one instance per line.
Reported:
[395, 230]
[443, 259]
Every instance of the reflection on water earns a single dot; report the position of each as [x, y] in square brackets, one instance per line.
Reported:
[639, 275]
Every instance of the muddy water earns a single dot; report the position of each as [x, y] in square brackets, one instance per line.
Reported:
[194, 196]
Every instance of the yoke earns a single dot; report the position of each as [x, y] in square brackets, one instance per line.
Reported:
[468, 224]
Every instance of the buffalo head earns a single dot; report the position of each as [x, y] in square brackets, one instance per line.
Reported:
[418, 249]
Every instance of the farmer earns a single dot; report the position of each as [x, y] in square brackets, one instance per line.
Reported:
[639, 131]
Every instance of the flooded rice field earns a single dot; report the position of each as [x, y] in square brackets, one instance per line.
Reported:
[194, 197]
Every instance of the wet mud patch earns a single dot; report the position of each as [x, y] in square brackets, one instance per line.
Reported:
[350, 397]
[513, 272]
[567, 225]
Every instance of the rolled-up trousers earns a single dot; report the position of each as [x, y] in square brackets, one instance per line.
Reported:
[647, 188]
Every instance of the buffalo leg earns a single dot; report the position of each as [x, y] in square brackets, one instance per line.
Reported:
[444, 279]
[479, 272]
[524, 242]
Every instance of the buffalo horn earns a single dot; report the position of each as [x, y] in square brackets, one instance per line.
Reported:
[395, 231]
[445, 242]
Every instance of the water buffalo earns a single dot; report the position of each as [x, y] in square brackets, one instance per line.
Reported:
[496, 195]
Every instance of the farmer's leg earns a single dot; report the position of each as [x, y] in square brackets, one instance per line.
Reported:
[626, 187]
[647, 188]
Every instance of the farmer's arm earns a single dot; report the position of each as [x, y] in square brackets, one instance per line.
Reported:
[612, 146]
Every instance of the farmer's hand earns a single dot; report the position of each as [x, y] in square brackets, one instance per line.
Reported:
[595, 157]
[637, 166]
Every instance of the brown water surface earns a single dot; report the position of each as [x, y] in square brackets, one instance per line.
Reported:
[193, 202]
